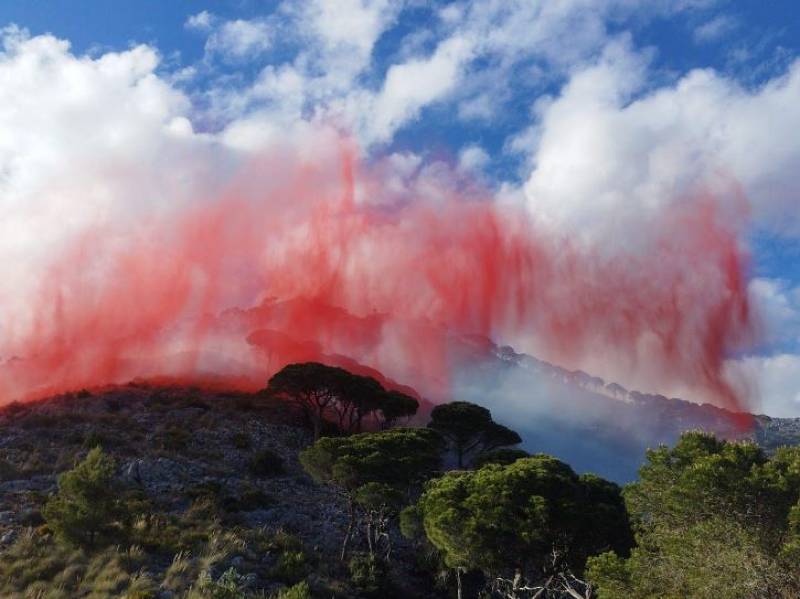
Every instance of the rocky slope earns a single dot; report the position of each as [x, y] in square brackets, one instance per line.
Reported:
[228, 459]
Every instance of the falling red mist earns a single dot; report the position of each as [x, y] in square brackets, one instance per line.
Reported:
[235, 287]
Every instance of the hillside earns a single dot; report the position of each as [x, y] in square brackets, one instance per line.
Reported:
[218, 476]
[219, 473]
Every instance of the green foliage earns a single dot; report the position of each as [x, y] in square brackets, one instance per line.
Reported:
[501, 517]
[87, 510]
[95, 438]
[299, 591]
[501, 457]
[470, 430]
[229, 585]
[266, 463]
[398, 458]
[292, 566]
[377, 471]
[378, 496]
[713, 519]
[369, 575]
[411, 523]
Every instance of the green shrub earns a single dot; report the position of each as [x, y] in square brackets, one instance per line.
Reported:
[298, 591]
[503, 457]
[369, 575]
[411, 523]
[267, 463]
[87, 510]
[291, 567]
[228, 586]
[94, 438]
[285, 541]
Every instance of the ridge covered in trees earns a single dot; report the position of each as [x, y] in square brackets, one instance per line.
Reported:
[449, 509]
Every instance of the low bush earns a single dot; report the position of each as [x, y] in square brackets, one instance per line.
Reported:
[230, 585]
[7, 471]
[267, 463]
[299, 591]
[95, 438]
[173, 439]
[369, 575]
[291, 568]
[88, 509]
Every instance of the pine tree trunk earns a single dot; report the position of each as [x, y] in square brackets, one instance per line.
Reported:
[350, 524]
[458, 581]
[369, 538]
[317, 422]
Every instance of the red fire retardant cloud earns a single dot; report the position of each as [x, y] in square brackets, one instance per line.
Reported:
[234, 287]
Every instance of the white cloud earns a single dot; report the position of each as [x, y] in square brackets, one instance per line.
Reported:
[415, 84]
[778, 304]
[86, 141]
[477, 108]
[472, 158]
[335, 40]
[202, 21]
[609, 145]
[715, 29]
[334, 61]
[240, 39]
[777, 383]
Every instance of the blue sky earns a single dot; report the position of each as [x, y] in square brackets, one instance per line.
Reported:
[749, 40]
[639, 103]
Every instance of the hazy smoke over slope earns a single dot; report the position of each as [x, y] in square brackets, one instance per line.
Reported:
[287, 264]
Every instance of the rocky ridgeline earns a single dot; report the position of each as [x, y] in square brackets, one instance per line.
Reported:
[768, 432]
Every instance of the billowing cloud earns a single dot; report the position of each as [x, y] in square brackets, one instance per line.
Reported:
[77, 132]
[610, 145]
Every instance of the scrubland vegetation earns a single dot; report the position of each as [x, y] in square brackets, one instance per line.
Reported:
[313, 489]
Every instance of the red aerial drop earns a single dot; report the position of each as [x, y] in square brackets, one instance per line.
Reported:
[290, 264]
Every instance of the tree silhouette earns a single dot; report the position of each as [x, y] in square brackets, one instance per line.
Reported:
[394, 406]
[312, 386]
[470, 430]
[322, 391]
